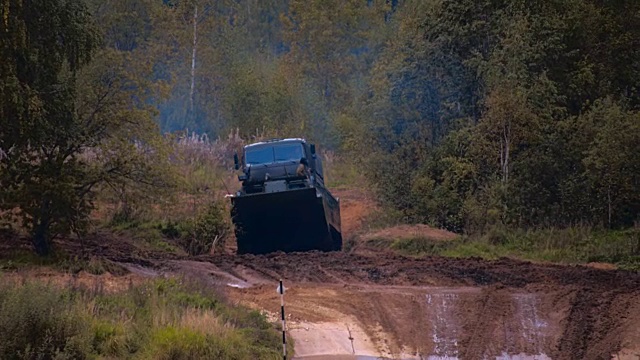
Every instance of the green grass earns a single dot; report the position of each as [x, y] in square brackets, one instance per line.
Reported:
[147, 234]
[162, 319]
[22, 259]
[572, 245]
[194, 234]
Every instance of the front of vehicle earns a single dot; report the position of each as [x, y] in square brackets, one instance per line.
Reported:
[278, 209]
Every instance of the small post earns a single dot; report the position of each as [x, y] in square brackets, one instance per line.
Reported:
[284, 336]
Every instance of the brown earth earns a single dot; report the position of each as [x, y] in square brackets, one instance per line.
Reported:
[381, 304]
[355, 206]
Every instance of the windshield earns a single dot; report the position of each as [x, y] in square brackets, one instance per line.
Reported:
[276, 153]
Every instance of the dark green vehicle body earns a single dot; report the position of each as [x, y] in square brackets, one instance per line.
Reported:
[277, 210]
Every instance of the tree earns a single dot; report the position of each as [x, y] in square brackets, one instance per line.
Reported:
[66, 124]
[612, 164]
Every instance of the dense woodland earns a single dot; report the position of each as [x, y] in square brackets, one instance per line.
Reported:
[463, 114]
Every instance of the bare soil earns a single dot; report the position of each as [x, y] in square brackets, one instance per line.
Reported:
[381, 304]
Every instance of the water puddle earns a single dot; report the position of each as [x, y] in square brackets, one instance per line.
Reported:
[238, 286]
[506, 356]
[344, 357]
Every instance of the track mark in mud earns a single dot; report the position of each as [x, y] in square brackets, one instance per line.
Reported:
[267, 274]
[330, 275]
[445, 329]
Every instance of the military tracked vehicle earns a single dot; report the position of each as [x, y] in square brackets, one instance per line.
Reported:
[283, 203]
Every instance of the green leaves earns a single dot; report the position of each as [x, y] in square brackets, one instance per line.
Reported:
[509, 95]
[69, 124]
[612, 164]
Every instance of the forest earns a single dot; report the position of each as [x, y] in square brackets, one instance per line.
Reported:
[466, 115]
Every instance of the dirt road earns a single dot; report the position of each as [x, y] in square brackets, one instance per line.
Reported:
[386, 305]
[367, 305]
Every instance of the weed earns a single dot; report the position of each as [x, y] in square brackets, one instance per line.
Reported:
[163, 319]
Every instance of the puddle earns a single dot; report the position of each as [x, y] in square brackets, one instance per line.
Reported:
[531, 323]
[238, 286]
[506, 356]
[140, 270]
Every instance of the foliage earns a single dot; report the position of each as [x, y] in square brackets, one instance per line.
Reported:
[36, 322]
[462, 114]
[40, 134]
[19, 259]
[208, 231]
[158, 319]
[69, 124]
[578, 244]
[508, 113]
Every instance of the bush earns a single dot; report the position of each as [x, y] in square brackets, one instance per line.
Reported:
[163, 319]
[38, 321]
[208, 231]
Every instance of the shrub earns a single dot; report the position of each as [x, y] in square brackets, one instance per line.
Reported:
[163, 319]
[38, 321]
[208, 231]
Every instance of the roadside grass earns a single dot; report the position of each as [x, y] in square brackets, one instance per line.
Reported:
[198, 234]
[160, 319]
[145, 233]
[573, 245]
[159, 219]
[22, 259]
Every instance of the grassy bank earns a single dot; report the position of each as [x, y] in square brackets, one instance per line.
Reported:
[571, 245]
[162, 319]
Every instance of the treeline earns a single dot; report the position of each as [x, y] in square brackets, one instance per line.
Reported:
[263, 67]
[509, 113]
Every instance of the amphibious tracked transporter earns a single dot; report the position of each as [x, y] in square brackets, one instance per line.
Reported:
[280, 207]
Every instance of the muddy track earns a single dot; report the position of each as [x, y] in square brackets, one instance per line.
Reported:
[382, 304]
[565, 312]
[389, 269]
[432, 306]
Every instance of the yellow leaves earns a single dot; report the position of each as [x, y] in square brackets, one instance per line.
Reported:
[5, 14]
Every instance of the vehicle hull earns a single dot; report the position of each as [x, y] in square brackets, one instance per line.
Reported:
[294, 220]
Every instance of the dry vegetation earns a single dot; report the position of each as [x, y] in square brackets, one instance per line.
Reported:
[162, 319]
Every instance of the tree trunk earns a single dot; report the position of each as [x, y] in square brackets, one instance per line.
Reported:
[505, 149]
[40, 236]
[193, 59]
[609, 204]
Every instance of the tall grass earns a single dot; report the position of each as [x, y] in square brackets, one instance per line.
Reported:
[580, 244]
[163, 319]
[204, 169]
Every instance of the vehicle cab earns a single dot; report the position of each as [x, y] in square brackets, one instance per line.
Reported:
[270, 166]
